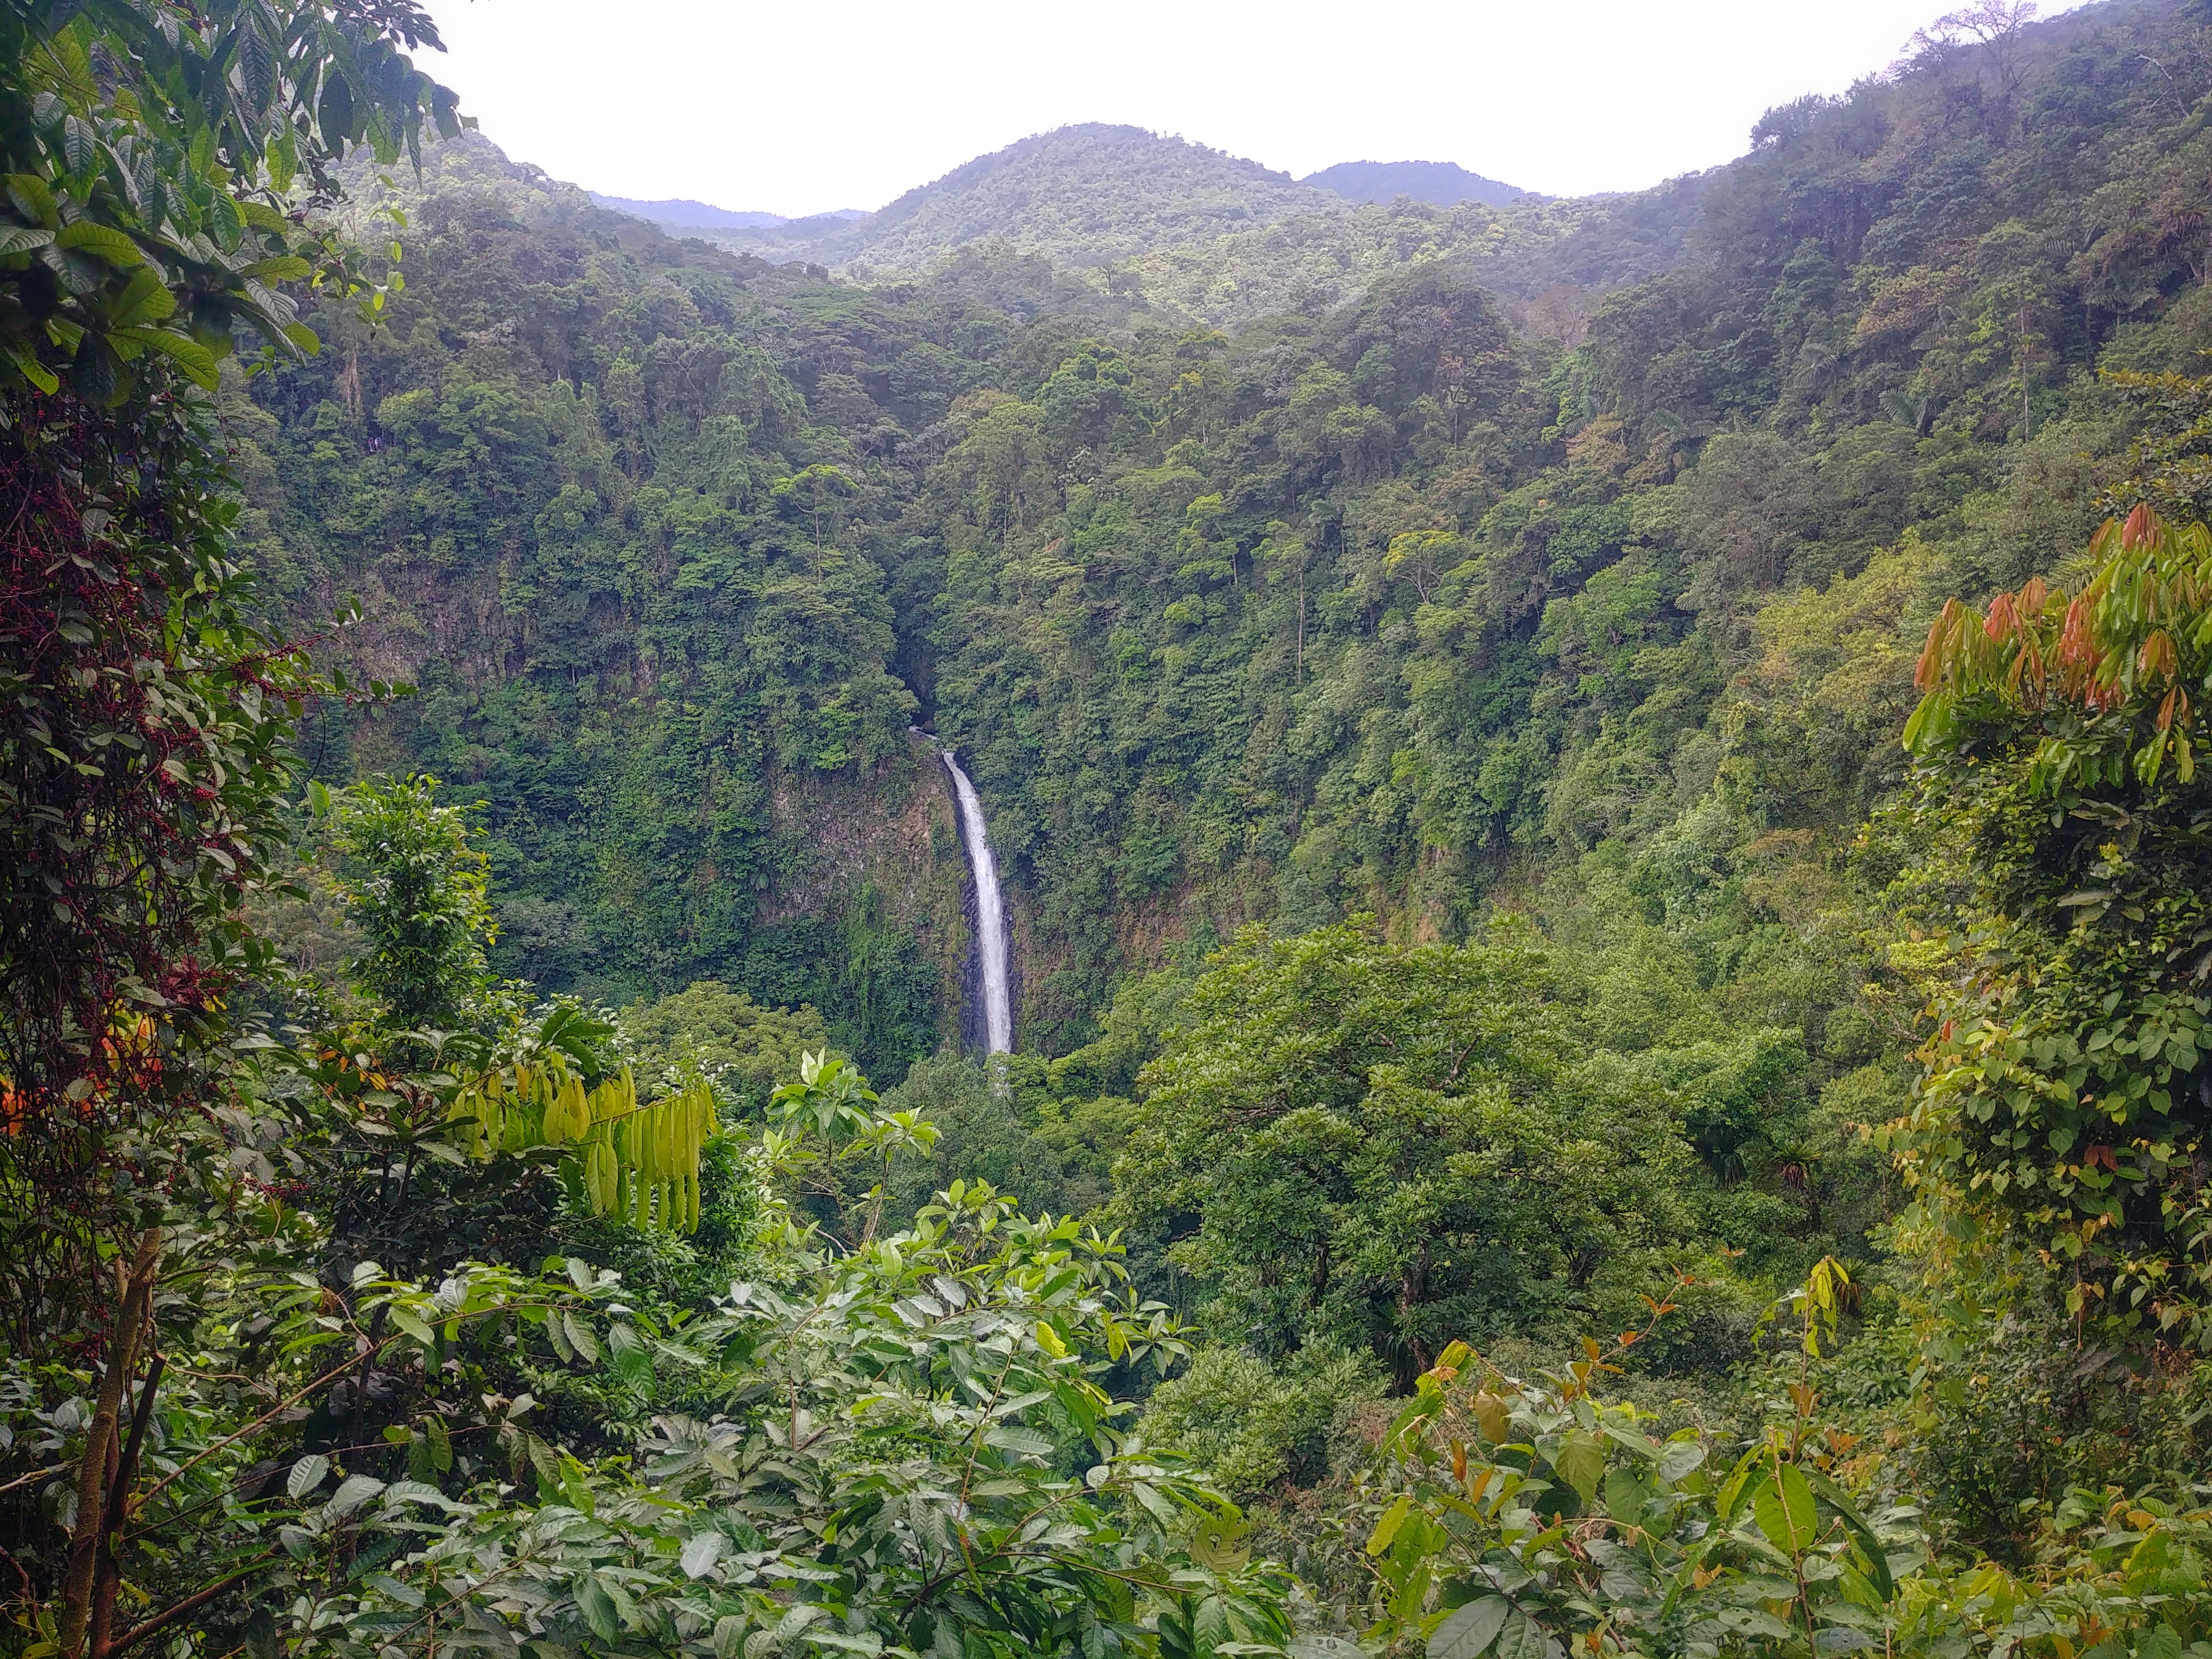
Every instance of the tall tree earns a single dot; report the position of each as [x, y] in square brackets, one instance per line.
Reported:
[2065, 1099]
[153, 159]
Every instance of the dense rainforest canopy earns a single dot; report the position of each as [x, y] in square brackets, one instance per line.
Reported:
[1600, 802]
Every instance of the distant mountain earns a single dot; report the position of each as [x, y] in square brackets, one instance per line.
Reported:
[683, 214]
[1440, 184]
[1129, 216]
[703, 215]
[1083, 196]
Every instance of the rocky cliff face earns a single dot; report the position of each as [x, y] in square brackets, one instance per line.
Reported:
[878, 875]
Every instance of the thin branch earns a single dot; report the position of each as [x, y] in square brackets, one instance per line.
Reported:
[206, 1452]
[35, 1475]
[292, 1399]
[191, 1603]
[126, 1472]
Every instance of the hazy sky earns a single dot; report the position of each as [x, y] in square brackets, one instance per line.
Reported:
[799, 108]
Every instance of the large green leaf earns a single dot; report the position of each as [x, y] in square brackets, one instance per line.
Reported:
[102, 241]
[1524, 1639]
[1878, 1572]
[80, 144]
[1782, 1506]
[597, 1608]
[95, 373]
[1028, 1443]
[1387, 1528]
[1624, 1495]
[306, 1474]
[579, 1336]
[354, 1491]
[701, 1551]
[1680, 1459]
[28, 365]
[632, 1360]
[33, 199]
[283, 268]
[145, 298]
[1470, 1630]
[1580, 1461]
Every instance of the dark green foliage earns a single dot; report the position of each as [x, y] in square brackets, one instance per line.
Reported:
[981, 1135]
[1257, 1424]
[1352, 610]
[1513, 684]
[1385, 1149]
[144, 748]
[867, 964]
[655, 588]
[419, 895]
[151, 154]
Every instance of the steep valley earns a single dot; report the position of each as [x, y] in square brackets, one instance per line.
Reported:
[1134, 913]
[1393, 605]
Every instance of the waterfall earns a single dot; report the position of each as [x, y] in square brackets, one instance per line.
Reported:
[992, 974]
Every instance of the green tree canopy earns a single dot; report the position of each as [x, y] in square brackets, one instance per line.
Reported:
[420, 895]
[1389, 1145]
[713, 1028]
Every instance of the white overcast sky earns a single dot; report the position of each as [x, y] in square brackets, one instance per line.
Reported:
[799, 109]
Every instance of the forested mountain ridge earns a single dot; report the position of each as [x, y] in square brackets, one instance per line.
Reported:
[1368, 608]
[1564, 254]
[1080, 195]
[1101, 162]
[1218, 237]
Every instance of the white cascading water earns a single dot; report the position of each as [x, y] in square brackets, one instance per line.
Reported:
[991, 940]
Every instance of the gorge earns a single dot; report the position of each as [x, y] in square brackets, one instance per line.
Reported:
[1579, 1021]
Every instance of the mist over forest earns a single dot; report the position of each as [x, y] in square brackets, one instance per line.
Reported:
[1138, 910]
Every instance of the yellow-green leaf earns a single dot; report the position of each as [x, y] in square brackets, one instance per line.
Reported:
[101, 242]
[145, 298]
[282, 267]
[196, 362]
[1580, 1461]
[413, 1326]
[1387, 1528]
[1784, 1510]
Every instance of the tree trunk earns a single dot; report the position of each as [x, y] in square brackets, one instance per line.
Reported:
[107, 1578]
[102, 1461]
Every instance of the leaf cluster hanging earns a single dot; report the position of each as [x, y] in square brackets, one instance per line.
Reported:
[639, 1163]
[643, 1165]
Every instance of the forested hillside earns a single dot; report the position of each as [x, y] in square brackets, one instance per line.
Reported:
[1599, 802]
[1600, 607]
[1218, 238]
[1081, 195]
[1388, 608]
